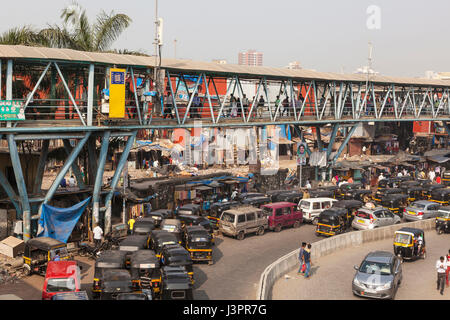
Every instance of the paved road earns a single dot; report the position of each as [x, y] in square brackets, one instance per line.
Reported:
[332, 275]
[234, 276]
[239, 264]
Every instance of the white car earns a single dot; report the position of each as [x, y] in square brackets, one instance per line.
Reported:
[312, 207]
[366, 219]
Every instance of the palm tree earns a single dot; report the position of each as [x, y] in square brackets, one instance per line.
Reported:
[75, 33]
[25, 35]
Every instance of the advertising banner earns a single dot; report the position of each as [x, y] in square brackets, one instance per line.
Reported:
[117, 93]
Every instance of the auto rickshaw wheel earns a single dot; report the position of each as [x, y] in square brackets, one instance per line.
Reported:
[26, 269]
[241, 235]
[439, 231]
[260, 231]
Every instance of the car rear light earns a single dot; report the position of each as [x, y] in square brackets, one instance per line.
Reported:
[420, 213]
[404, 210]
[371, 219]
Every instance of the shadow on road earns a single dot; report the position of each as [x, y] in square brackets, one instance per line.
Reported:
[200, 295]
[314, 270]
[199, 276]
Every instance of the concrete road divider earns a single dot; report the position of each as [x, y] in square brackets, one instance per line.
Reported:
[328, 246]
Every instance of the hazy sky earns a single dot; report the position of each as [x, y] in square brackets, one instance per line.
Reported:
[325, 35]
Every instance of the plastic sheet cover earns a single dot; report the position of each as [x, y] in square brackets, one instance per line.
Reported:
[58, 223]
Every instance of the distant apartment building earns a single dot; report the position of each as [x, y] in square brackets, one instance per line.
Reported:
[220, 61]
[250, 58]
[294, 65]
[437, 75]
[366, 70]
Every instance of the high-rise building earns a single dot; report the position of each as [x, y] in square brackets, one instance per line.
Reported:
[220, 61]
[250, 58]
[294, 65]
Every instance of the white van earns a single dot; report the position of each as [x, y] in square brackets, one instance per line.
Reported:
[312, 207]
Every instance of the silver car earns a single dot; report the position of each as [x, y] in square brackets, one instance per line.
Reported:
[378, 276]
[366, 219]
[419, 210]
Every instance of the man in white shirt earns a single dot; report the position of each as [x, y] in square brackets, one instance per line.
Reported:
[441, 266]
[308, 185]
[399, 174]
[98, 233]
[381, 177]
[234, 194]
[431, 175]
[72, 182]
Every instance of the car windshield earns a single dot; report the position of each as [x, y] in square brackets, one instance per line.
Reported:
[61, 285]
[228, 217]
[444, 214]
[402, 238]
[362, 214]
[304, 204]
[417, 205]
[267, 211]
[169, 227]
[371, 267]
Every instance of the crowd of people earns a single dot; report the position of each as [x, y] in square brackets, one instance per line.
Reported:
[235, 106]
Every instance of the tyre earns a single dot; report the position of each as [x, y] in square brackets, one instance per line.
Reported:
[26, 269]
[315, 221]
[296, 224]
[260, 231]
[278, 228]
[241, 235]
[439, 231]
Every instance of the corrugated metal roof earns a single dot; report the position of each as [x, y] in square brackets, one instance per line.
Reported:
[25, 52]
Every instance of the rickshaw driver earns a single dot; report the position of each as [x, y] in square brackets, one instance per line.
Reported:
[419, 243]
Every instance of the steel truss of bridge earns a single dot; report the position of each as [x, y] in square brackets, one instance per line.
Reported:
[62, 91]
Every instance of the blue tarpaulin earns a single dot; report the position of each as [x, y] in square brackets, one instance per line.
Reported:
[58, 223]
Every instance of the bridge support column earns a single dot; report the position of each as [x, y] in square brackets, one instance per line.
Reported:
[99, 179]
[18, 173]
[67, 164]
[41, 167]
[115, 179]
[344, 143]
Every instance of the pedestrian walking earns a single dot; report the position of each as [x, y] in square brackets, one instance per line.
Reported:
[168, 104]
[234, 108]
[302, 268]
[131, 225]
[98, 233]
[307, 259]
[441, 266]
[260, 107]
[285, 104]
[431, 175]
[448, 267]
[245, 104]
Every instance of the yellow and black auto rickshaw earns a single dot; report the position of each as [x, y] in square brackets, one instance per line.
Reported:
[331, 222]
[443, 220]
[351, 206]
[198, 243]
[145, 271]
[446, 178]
[441, 196]
[39, 251]
[428, 189]
[409, 243]
[381, 193]
[396, 203]
[414, 193]
[108, 260]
